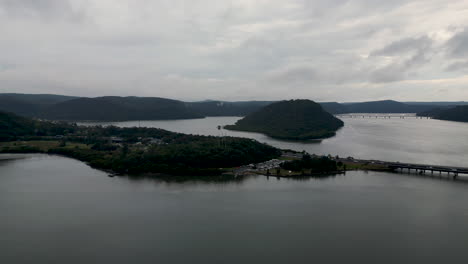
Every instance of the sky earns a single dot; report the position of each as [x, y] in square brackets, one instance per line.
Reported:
[328, 50]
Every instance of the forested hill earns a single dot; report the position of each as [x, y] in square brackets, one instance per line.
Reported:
[292, 120]
[29, 105]
[12, 125]
[108, 108]
[39, 99]
[458, 113]
[113, 108]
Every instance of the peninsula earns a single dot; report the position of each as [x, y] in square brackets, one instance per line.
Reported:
[132, 150]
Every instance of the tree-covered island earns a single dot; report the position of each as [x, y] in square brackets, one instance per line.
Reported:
[291, 120]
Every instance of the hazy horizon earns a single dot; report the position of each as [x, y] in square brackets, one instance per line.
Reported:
[257, 99]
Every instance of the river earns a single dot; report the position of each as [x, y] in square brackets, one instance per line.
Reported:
[59, 210]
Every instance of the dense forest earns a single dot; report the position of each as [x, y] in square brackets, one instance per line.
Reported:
[311, 164]
[432, 112]
[291, 120]
[458, 113]
[111, 108]
[132, 150]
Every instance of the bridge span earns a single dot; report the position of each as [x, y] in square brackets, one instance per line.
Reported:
[418, 168]
[422, 169]
[381, 116]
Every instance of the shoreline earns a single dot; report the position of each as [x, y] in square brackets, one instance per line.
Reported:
[348, 164]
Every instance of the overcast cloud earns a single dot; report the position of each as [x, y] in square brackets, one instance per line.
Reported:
[332, 50]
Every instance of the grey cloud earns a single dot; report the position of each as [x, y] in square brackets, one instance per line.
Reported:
[458, 66]
[6, 66]
[126, 40]
[220, 49]
[419, 45]
[293, 75]
[407, 54]
[44, 9]
[391, 73]
[458, 44]
[397, 71]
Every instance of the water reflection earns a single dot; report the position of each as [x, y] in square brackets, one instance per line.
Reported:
[322, 177]
[56, 209]
[13, 157]
[169, 179]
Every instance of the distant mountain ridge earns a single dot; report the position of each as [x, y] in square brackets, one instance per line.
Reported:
[107, 108]
[438, 103]
[221, 108]
[115, 108]
[385, 106]
[40, 99]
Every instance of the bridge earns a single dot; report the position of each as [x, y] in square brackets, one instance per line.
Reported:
[422, 169]
[418, 168]
[381, 116]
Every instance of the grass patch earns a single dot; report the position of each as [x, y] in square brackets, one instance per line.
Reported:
[40, 146]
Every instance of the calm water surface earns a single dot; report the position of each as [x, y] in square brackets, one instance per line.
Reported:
[414, 140]
[58, 210]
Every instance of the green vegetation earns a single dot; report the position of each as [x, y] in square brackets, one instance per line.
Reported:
[113, 108]
[311, 164]
[108, 108]
[13, 127]
[29, 104]
[291, 120]
[432, 112]
[131, 150]
[365, 166]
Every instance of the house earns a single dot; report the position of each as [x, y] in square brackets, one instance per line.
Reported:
[154, 141]
[116, 140]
